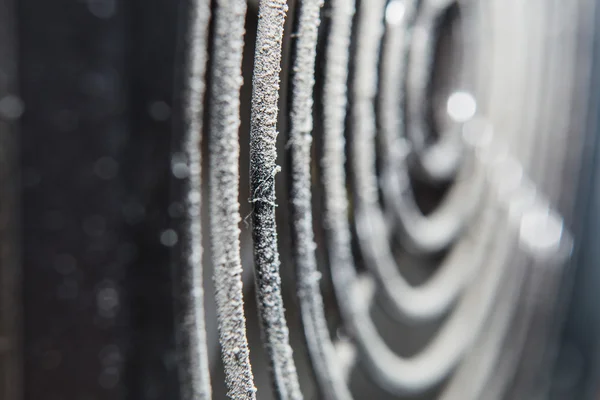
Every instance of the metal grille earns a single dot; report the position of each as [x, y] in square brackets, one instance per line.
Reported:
[370, 198]
[361, 138]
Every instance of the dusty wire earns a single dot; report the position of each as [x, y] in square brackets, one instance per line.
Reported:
[226, 81]
[194, 366]
[369, 35]
[434, 297]
[327, 368]
[415, 374]
[263, 168]
[397, 374]
[418, 232]
[399, 15]
[422, 50]
[434, 232]
[335, 100]
[422, 233]
[418, 76]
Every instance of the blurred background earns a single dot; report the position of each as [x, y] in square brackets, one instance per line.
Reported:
[87, 211]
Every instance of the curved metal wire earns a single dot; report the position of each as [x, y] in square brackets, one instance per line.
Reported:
[519, 195]
[424, 234]
[394, 57]
[526, 320]
[470, 378]
[435, 297]
[480, 221]
[481, 369]
[229, 19]
[504, 244]
[263, 168]
[194, 365]
[434, 232]
[335, 100]
[438, 161]
[395, 373]
[450, 343]
[328, 368]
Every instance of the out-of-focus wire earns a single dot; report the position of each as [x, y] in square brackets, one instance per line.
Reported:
[327, 368]
[193, 367]
[395, 373]
[437, 159]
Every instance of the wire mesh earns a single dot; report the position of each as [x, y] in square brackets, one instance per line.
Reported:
[378, 60]
[363, 198]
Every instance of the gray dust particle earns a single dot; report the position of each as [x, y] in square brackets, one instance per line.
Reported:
[11, 107]
[180, 170]
[107, 300]
[169, 238]
[179, 166]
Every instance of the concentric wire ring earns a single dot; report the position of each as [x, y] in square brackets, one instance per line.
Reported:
[377, 64]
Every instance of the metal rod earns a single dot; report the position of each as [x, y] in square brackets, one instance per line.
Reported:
[418, 80]
[263, 168]
[194, 367]
[229, 19]
[327, 368]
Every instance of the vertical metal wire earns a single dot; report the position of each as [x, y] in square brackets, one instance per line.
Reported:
[263, 168]
[335, 100]
[194, 366]
[229, 19]
[369, 34]
[322, 353]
